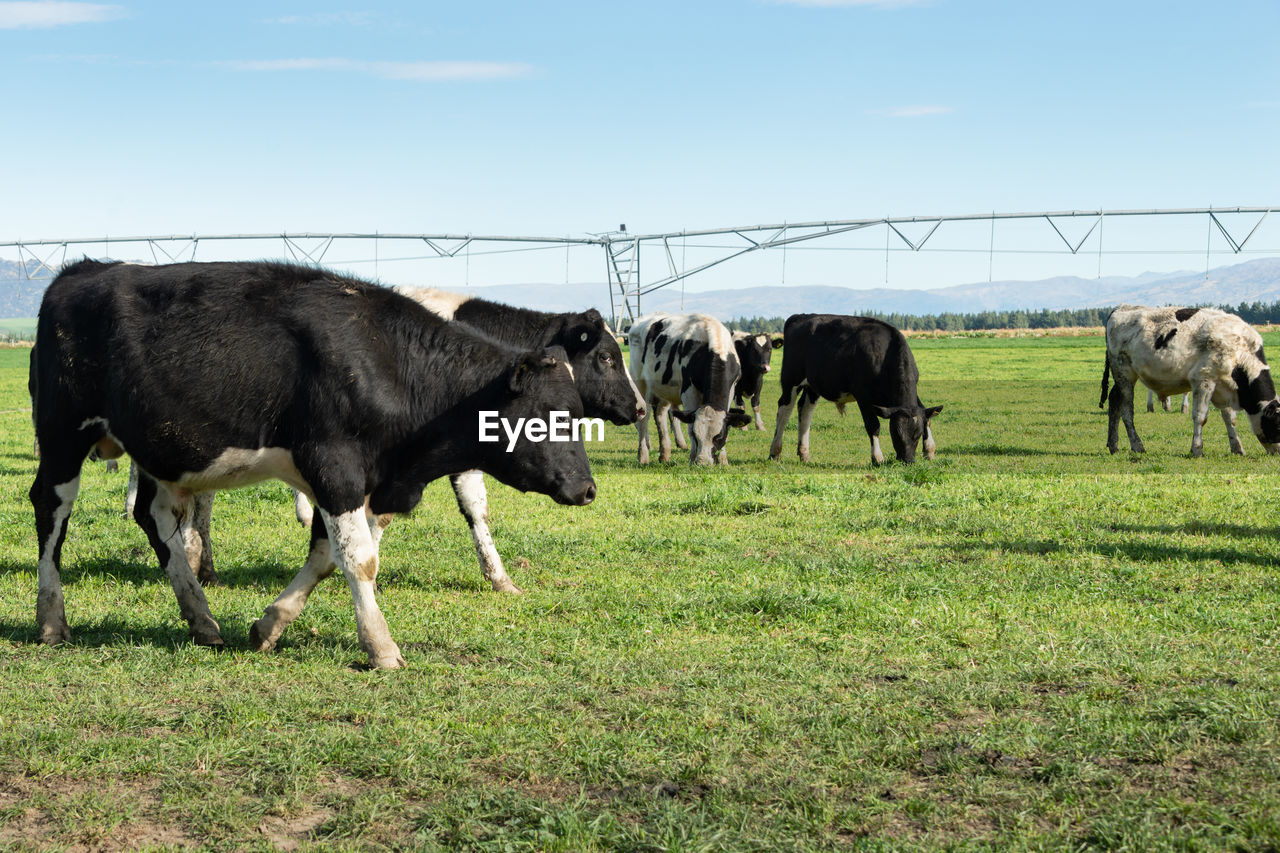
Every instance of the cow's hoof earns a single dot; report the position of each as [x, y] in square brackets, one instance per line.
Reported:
[206, 633]
[208, 577]
[260, 639]
[1237, 449]
[1197, 452]
[1114, 448]
[505, 585]
[55, 635]
[389, 661]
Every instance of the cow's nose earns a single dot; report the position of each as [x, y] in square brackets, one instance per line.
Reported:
[766, 368]
[588, 495]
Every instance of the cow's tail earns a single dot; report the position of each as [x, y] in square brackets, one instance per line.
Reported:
[1106, 376]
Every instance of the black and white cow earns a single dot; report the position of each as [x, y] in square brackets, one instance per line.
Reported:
[217, 375]
[1216, 356]
[853, 359]
[686, 364]
[754, 354]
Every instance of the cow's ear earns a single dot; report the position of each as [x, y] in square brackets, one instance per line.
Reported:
[738, 418]
[528, 365]
[777, 342]
[884, 412]
[583, 331]
[686, 417]
[931, 411]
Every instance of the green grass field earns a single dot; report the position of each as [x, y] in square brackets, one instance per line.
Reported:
[1026, 644]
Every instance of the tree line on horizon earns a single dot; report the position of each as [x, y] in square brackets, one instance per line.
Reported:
[1256, 313]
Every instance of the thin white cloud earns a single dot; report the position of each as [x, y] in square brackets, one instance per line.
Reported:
[326, 19]
[427, 71]
[44, 14]
[914, 111]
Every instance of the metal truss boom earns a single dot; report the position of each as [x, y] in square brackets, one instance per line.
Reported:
[623, 250]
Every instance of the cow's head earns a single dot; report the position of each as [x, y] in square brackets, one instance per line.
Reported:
[599, 370]
[754, 354]
[709, 429]
[906, 426]
[538, 384]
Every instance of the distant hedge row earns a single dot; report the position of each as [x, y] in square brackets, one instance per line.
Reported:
[1258, 313]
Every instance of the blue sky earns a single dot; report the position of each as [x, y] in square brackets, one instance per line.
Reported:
[567, 118]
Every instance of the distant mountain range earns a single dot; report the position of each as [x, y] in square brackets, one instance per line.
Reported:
[1251, 281]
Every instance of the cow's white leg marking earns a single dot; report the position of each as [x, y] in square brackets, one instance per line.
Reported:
[759, 420]
[474, 504]
[877, 455]
[357, 557]
[806, 421]
[930, 448]
[302, 508]
[169, 513]
[1201, 400]
[784, 415]
[265, 633]
[664, 432]
[642, 430]
[51, 615]
[677, 432]
[131, 494]
[197, 535]
[1229, 418]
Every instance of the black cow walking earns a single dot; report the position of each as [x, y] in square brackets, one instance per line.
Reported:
[213, 376]
[754, 354]
[853, 359]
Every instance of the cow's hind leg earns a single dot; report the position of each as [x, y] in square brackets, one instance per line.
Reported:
[1201, 400]
[355, 553]
[198, 536]
[662, 414]
[163, 515]
[677, 434]
[266, 632]
[642, 430]
[474, 505]
[786, 403]
[808, 402]
[52, 495]
[1120, 408]
[1229, 418]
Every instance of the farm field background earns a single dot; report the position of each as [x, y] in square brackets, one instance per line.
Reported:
[1024, 644]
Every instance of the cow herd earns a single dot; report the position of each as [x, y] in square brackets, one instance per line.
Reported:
[217, 375]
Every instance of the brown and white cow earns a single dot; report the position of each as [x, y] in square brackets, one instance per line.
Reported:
[1216, 356]
[686, 364]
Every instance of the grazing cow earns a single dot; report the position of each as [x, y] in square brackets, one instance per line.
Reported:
[853, 359]
[754, 354]
[686, 364]
[1215, 355]
[218, 375]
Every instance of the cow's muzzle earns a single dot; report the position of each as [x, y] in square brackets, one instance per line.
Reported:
[578, 493]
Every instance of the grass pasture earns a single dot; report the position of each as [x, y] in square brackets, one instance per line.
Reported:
[1026, 644]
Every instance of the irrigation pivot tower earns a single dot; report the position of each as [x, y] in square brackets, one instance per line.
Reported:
[622, 250]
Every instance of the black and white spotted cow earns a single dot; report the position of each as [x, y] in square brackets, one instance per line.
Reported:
[686, 364]
[853, 359]
[754, 354]
[216, 375]
[1216, 356]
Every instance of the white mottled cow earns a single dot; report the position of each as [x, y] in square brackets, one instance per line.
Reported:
[686, 364]
[1216, 356]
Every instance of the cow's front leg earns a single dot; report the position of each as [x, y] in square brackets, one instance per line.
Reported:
[474, 505]
[266, 632]
[163, 514]
[663, 416]
[786, 403]
[1201, 400]
[755, 408]
[642, 430]
[356, 555]
[1229, 418]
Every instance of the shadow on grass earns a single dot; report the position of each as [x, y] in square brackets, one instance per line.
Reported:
[269, 576]
[1202, 528]
[1133, 551]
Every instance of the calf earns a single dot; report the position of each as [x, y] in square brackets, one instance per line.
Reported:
[1215, 355]
[853, 359]
[754, 354]
[594, 359]
[686, 364]
[213, 376]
